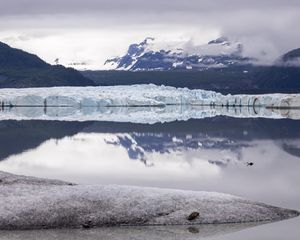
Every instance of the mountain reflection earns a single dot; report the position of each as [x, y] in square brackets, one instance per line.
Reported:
[208, 154]
[138, 145]
[216, 133]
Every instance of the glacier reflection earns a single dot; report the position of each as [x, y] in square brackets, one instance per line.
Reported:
[148, 114]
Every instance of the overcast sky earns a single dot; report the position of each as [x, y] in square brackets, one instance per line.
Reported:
[94, 30]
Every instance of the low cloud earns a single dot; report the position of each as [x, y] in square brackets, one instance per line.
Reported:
[268, 28]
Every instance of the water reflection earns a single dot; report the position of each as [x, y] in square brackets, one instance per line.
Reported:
[207, 154]
[198, 155]
[34, 133]
[129, 233]
[139, 145]
[146, 114]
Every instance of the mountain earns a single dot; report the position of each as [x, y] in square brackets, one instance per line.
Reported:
[234, 74]
[230, 80]
[278, 78]
[21, 69]
[33, 134]
[149, 55]
[16, 58]
[290, 59]
[141, 140]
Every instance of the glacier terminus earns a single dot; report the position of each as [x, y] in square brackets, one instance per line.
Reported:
[140, 103]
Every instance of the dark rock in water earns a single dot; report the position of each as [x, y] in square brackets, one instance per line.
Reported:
[87, 225]
[193, 230]
[193, 216]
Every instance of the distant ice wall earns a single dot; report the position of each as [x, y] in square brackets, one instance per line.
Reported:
[138, 95]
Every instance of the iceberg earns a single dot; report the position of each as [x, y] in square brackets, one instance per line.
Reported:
[33, 203]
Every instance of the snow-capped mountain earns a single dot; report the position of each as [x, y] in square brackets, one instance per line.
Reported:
[152, 55]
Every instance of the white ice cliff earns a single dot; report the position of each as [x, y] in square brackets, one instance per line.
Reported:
[140, 103]
[137, 95]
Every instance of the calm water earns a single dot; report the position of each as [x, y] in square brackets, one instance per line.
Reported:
[211, 154]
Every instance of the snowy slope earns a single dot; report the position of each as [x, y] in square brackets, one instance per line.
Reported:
[31, 203]
[153, 55]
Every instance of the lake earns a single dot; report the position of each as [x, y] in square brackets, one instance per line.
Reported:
[255, 158]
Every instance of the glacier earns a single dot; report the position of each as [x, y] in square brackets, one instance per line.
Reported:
[33, 203]
[137, 95]
[140, 104]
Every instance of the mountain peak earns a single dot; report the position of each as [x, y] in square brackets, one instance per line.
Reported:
[151, 55]
[147, 40]
[290, 59]
[21, 69]
[220, 40]
[137, 48]
[12, 57]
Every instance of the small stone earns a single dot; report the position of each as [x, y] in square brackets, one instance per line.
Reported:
[163, 214]
[193, 216]
[87, 225]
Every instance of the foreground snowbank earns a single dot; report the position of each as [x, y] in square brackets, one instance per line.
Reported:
[31, 203]
[137, 95]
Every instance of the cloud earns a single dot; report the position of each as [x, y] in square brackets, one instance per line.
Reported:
[267, 27]
[17, 7]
